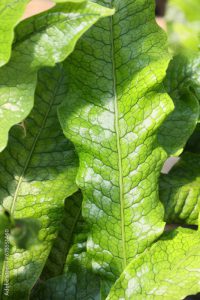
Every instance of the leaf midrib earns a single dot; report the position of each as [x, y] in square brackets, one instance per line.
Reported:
[118, 146]
[34, 145]
[26, 166]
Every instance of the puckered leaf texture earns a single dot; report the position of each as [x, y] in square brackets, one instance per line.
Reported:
[168, 270]
[67, 274]
[42, 40]
[180, 190]
[11, 12]
[182, 82]
[113, 111]
[37, 172]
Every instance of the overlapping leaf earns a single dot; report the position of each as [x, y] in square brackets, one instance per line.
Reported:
[180, 190]
[67, 274]
[11, 12]
[184, 70]
[168, 270]
[37, 172]
[183, 24]
[113, 111]
[183, 85]
[42, 40]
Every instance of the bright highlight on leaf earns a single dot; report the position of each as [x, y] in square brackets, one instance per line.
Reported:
[169, 270]
[113, 113]
[83, 203]
[11, 12]
[42, 40]
[37, 172]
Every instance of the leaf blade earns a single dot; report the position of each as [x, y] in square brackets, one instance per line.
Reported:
[182, 84]
[10, 14]
[38, 170]
[179, 191]
[89, 116]
[67, 273]
[42, 40]
[168, 270]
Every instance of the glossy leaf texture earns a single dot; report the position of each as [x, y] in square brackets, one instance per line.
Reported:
[112, 113]
[168, 270]
[180, 190]
[37, 172]
[183, 24]
[40, 41]
[11, 12]
[67, 273]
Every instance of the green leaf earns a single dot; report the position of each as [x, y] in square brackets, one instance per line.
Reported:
[180, 190]
[183, 85]
[11, 12]
[114, 108]
[183, 24]
[183, 75]
[37, 172]
[67, 273]
[184, 72]
[42, 40]
[71, 226]
[168, 270]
